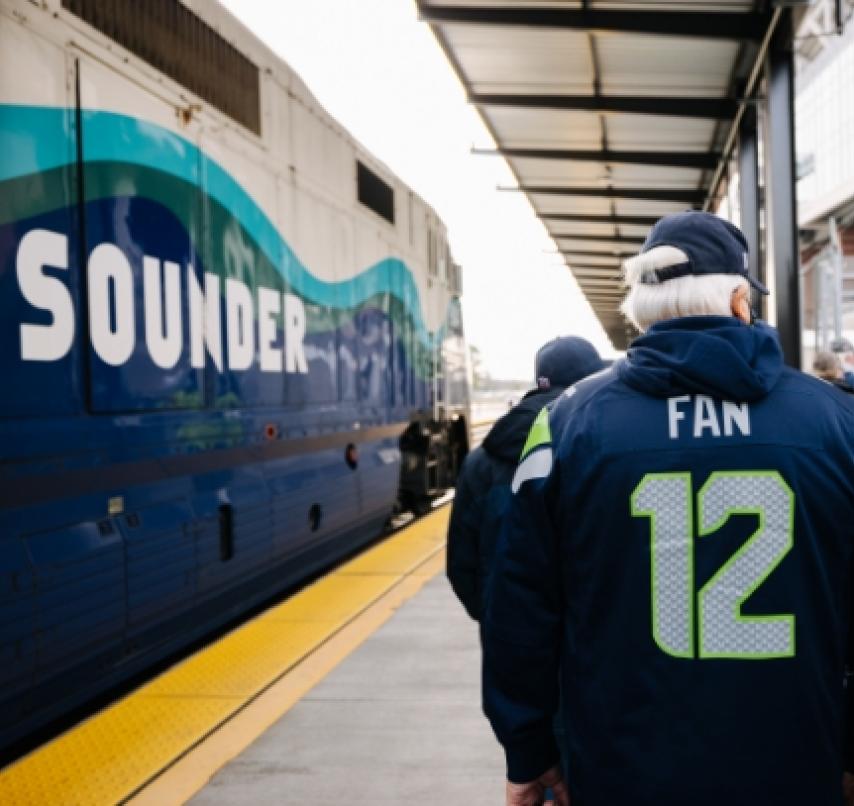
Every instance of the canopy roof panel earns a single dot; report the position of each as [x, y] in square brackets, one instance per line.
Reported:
[514, 60]
[548, 128]
[634, 65]
[660, 132]
[611, 114]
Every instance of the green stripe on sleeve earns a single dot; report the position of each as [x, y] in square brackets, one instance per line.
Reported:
[540, 433]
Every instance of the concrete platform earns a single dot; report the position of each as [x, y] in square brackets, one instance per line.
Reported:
[399, 721]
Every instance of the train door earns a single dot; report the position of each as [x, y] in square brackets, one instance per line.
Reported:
[241, 246]
[38, 353]
[315, 492]
[142, 230]
[146, 373]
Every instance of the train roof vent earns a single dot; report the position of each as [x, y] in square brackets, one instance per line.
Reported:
[173, 39]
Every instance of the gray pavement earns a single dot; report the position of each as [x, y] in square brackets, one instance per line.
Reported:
[398, 721]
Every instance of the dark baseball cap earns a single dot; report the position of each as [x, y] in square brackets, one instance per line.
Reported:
[712, 244]
[565, 360]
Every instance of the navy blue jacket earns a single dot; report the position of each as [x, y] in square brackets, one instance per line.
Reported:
[680, 547]
[482, 497]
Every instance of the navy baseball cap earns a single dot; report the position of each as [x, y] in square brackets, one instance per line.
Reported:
[712, 244]
[565, 360]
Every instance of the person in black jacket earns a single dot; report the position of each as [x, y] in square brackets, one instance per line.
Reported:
[483, 488]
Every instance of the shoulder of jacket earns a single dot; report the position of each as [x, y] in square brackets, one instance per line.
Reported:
[838, 400]
[582, 393]
[478, 469]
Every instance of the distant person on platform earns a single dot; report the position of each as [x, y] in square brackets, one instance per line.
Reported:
[483, 488]
[828, 367]
[680, 550]
[845, 350]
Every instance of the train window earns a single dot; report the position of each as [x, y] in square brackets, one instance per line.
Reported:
[168, 36]
[374, 192]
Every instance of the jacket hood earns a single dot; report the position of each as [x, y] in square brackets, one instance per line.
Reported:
[506, 438]
[718, 356]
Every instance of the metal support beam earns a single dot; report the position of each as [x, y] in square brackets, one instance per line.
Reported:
[616, 220]
[680, 195]
[714, 25]
[611, 267]
[580, 253]
[569, 236]
[748, 189]
[614, 252]
[712, 108]
[780, 184]
[702, 160]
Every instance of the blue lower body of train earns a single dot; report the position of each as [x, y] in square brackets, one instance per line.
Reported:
[191, 420]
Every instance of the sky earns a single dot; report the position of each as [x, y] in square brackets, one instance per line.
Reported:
[382, 75]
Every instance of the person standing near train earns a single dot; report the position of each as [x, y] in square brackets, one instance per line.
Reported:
[679, 547]
[483, 487]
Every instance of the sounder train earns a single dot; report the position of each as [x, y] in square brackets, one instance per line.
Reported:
[231, 341]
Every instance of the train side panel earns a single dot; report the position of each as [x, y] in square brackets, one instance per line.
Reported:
[214, 351]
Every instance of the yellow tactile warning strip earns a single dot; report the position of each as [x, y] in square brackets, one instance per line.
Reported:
[162, 742]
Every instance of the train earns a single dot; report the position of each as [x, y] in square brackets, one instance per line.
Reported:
[231, 342]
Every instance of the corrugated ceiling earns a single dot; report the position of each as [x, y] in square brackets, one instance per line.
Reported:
[610, 114]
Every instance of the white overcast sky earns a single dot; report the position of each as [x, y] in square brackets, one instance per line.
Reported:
[381, 73]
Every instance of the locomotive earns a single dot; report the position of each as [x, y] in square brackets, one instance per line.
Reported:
[231, 337]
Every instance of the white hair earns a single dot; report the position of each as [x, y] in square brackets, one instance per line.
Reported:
[691, 295]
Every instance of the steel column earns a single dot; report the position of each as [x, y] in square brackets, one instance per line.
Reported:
[780, 190]
[748, 190]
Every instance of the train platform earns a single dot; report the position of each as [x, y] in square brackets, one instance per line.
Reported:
[399, 721]
[361, 688]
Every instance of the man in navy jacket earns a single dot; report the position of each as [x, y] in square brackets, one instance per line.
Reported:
[679, 546]
[483, 488]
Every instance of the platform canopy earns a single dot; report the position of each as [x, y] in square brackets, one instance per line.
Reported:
[610, 114]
